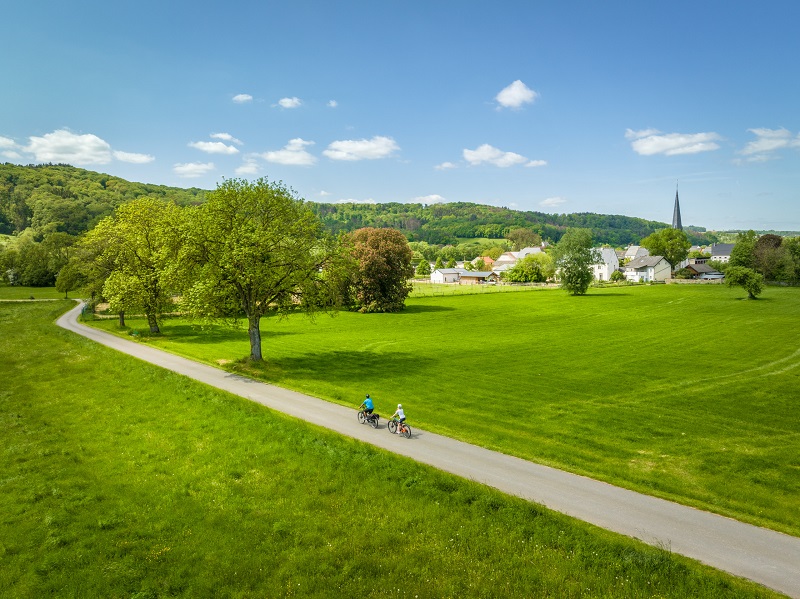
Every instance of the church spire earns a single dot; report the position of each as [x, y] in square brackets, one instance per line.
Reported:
[676, 213]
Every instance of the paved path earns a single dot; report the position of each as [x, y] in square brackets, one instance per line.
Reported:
[764, 556]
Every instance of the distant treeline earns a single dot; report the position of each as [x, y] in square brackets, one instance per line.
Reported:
[442, 224]
[60, 198]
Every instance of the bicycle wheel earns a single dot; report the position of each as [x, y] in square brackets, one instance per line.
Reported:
[362, 417]
[392, 426]
[374, 421]
[406, 432]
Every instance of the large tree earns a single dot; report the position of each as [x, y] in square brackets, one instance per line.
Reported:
[134, 253]
[772, 259]
[673, 244]
[254, 247]
[380, 271]
[574, 257]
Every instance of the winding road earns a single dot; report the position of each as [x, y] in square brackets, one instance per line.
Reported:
[764, 556]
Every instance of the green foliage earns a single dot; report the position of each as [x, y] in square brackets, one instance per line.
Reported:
[743, 252]
[131, 481]
[135, 253]
[617, 276]
[533, 268]
[59, 197]
[423, 268]
[70, 278]
[521, 238]
[381, 269]
[747, 278]
[251, 248]
[671, 243]
[442, 224]
[574, 258]
[438, 265]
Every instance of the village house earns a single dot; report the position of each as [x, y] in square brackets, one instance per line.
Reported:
[703, 271]
[462, 276]
[648, 269]
[608, 264]
[721, 252]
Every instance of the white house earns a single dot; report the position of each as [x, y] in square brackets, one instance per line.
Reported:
[607, 265]
[647, 269]
[632, 252]
[721, 252]
[506, 259]
[527, 252]
[445, 275]
[462, 276]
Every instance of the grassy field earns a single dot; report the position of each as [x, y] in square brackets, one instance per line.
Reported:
[119, 479]
[8, 292]
[684, 392]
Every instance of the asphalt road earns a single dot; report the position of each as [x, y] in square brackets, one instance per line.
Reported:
[764, 556]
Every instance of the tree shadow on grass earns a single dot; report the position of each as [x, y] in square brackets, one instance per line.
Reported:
[338, 367]
[213, 334]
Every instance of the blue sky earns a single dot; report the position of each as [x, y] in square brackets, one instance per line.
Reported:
[549, 106]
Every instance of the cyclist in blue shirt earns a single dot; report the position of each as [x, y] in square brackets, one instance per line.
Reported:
[367, 405]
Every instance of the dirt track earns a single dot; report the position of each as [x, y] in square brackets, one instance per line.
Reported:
[764, 556]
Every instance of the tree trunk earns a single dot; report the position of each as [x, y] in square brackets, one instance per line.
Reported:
[151, 320]
[122, 319]
[254, 329]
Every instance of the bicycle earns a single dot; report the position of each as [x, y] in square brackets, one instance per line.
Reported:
[371, 419]
[404, 429]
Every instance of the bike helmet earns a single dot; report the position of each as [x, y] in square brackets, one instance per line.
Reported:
[399, 406]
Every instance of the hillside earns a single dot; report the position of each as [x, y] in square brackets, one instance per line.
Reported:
[62, 198]
[446, 223]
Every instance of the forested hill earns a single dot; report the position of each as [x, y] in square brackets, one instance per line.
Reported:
[61, 198]
[71, 200]
[446, 223]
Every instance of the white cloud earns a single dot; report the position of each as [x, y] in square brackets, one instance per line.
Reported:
[289, 102]
[133, 158]
[535, 163]
[193, 169]
[8, 149]
[226, 137]
[552, 202]
[515, 95]
[767, 142]
[650, 142]
[248, 167]
[293, 153]
[324, 193]
[491, 155]
[242, 98]
[445, 166]
[213, 147]
[361, 149]
[333, 104]
[631, 134]
[65, 146]
[431, 199]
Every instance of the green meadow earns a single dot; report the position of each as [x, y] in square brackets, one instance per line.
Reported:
[119, 479]
[680, 391]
